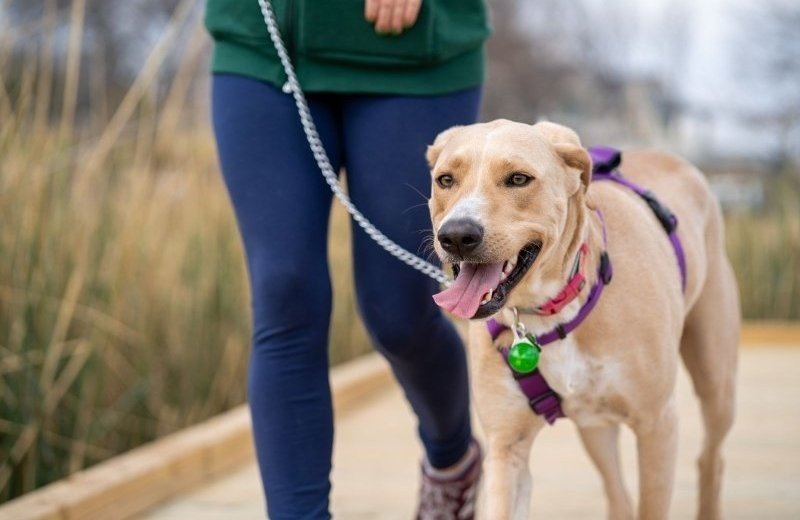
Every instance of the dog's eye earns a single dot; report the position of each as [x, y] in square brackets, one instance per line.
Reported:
[517, 179]
[444, 180]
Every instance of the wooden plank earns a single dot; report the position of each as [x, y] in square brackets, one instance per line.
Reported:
[36, 505]
[757, 333]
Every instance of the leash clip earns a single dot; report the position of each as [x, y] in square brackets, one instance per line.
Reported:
[606, 272]
[518, 328]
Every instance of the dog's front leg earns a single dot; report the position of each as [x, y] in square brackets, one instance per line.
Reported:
[509, 426]
[657, 442]
[508, 477]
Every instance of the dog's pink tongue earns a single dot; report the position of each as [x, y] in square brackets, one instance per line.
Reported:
[463, 297]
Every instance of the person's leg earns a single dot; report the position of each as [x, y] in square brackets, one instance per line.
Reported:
[282, 206]
[385, 138]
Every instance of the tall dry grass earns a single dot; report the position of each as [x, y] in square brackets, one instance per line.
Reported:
[765, 251]
[123, 297]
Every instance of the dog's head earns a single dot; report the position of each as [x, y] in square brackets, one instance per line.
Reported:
[500, 206]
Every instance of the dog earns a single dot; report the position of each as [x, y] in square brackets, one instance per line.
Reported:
[512, 206]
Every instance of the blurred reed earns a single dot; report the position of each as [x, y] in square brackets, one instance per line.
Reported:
[764, 248]
[124, 312]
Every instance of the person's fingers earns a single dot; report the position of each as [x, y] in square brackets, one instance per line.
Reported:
[384, 21]
[371, 10]
[398, 12]
[411, 12]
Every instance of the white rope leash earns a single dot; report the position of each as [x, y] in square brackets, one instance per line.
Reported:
[324, 163]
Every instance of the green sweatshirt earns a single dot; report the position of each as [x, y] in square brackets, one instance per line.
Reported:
[334, 49]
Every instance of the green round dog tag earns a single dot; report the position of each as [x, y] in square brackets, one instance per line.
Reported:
[523, 356]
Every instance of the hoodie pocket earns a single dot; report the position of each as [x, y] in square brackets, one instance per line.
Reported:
[338, 32]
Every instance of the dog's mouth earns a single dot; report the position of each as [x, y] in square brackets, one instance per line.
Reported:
[481, 290]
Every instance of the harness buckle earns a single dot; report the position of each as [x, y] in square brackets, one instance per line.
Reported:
[605, 268]
[562, 333]
[605, 159]
[664, 215]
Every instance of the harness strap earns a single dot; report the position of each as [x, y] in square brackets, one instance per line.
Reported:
[606, 160]
[541, 398]
[561, 330]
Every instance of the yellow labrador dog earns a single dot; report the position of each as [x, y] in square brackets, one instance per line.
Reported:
[512, 205]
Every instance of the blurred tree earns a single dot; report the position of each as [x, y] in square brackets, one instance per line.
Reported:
[573, 61]
[767, 59]
[533, 71]
[520, 79]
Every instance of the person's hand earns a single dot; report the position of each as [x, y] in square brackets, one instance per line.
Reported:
[392, 16]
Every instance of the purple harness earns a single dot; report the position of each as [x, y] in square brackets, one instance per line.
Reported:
[542, 399]
[605, 161]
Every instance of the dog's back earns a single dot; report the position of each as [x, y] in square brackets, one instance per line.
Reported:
[684, 190]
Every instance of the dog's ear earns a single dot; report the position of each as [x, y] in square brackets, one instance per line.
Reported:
[438, 144]
[568, 147]
[576, 157]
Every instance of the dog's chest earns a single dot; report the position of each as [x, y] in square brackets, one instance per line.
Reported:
[591, 389]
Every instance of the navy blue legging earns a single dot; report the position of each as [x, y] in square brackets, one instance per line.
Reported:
[282, 205]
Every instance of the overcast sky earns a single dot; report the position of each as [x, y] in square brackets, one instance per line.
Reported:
[707, 49]
[717, 69]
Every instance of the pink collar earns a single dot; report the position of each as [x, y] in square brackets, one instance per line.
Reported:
[575, 284]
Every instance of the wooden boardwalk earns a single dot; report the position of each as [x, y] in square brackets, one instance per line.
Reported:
[376, 459]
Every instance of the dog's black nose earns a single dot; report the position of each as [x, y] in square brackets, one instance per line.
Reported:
[460, 237]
